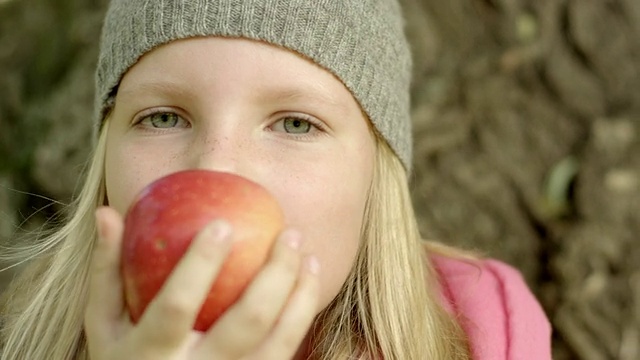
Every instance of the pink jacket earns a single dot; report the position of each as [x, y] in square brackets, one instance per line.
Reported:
[499, 313]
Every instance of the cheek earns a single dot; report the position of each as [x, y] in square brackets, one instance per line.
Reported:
[334, 237]
[327, 206]
[128, 169]
[123, 180]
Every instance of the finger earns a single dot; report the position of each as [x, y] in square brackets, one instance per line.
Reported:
[246, 324]
[170, 316]
[294, 323]
[105, 303]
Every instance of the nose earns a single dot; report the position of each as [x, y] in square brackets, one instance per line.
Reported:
[223, 149]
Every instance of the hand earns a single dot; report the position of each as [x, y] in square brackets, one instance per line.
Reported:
[269, 321]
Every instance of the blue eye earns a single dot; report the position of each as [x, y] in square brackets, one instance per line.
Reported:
[164, 120]
[296, 126]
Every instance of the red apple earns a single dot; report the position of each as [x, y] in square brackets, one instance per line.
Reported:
[166, 216]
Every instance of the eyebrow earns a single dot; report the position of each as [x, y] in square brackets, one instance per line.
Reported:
[294, 94]
[155, 87]
[306, 93]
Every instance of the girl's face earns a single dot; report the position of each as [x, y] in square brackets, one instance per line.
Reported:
[261, 112]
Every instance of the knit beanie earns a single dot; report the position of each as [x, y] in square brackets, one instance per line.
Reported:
[361, 42]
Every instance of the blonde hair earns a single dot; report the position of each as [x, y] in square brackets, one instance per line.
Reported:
[388, 308]
[43, 309]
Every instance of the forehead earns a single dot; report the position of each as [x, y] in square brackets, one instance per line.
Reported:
[218, 64]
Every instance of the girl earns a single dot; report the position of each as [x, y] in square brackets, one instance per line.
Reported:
[310, 99]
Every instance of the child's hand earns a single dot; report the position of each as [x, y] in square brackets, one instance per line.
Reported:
[269, 321]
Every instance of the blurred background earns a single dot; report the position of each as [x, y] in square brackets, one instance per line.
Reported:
[527, 142]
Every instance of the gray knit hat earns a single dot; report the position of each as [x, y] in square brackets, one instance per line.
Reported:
[362, 42]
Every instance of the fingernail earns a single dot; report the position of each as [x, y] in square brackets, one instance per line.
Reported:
[313, 265]
[220, 231]
[292, 239]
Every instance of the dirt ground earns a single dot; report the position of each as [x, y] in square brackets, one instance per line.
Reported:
[527, 142]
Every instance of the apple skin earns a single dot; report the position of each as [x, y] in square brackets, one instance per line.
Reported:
[169, 213]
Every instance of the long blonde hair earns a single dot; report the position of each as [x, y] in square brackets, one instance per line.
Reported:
[388, 307]
[43, 309]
